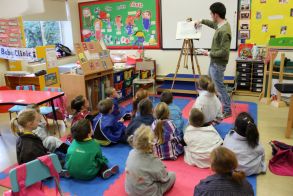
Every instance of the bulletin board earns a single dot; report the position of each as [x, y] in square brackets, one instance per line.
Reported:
[12, 33]
[121, 24]
[270, 19]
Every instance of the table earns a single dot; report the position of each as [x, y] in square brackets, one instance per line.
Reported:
[27, 97]
[287, 88]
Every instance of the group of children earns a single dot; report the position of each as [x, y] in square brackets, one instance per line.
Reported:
[155, 134]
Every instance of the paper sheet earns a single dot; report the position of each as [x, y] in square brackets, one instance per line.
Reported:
[186, 30]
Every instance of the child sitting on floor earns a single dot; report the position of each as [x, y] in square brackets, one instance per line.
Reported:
[208, 102]
[226, 180]
[107, 129]
[145, 174]
[80, 105]
[175, 112]
[118, 111]
[28, 146]
[167, 143]
[145, 110]
[200, 140]
[139, 95]
[243, 140]
[84, 159]
[50, 142]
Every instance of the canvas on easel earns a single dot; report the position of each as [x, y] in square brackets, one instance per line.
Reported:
[187, 32]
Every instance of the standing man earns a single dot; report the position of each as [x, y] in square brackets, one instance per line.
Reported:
[220, 51]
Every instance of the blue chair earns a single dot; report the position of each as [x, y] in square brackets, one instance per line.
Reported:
[18, 108]
[35, 172]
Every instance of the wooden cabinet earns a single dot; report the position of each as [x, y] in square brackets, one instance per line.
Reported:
[91, 86]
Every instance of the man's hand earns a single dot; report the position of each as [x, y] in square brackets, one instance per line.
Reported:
[203, 52]
[197, 23]
[121, 120]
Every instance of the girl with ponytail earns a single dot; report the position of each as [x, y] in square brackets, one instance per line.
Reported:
[28, 146]
[226, 180]
[243, 140]
[207, 101]
[167, 143]
[80, 106]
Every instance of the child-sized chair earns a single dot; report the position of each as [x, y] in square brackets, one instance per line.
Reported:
[26, 178]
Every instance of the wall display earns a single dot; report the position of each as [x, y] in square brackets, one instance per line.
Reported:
[121, 24]
[11, 33]
[270, 19]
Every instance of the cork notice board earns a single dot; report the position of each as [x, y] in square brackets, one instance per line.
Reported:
[93, 58]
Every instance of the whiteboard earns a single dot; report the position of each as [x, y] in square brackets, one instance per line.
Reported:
[173, 11]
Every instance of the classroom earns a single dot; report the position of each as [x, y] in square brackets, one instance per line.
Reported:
[146, 97]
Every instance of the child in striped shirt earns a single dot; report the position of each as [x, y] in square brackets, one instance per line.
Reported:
[166, 142]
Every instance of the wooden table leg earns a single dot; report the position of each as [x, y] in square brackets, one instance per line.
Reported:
[290, 119]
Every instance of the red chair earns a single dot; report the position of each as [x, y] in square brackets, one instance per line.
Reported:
[5, 108]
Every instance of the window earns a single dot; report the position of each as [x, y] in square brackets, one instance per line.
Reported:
[42, 33]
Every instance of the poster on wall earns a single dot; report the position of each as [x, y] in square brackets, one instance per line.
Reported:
[121, 24]
[10, 33]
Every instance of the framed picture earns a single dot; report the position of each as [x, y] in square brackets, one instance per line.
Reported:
[244, 25]
[244, 34]
[245, 7]
[51, 79]
[245, 15]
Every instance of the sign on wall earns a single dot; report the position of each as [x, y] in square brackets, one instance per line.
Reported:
[28, 54]
[121, 24]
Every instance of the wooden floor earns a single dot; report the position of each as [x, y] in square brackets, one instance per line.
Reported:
[271, 123]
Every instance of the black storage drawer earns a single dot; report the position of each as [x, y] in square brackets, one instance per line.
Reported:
[240, 74]
[254, 89]
[256, 85]
[257, 80]
[243, 65]
[243, 85]
[258, 66]
[243, 79]
[244, 70]
[257, 75]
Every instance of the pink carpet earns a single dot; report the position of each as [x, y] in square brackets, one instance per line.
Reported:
[189, 177]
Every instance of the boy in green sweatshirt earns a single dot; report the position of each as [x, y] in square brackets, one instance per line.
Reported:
[219, 52]
[84, 159]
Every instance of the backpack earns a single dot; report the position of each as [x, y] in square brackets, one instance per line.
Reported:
[282, 161]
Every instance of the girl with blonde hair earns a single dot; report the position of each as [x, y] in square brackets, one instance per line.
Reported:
[167, 143]
[141, 179]
[28, 146]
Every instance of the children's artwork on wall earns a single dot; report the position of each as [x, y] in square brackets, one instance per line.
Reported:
[121, 24]
[245, 15]
[12, 32]
[264, 28]
[244, 34]
[244, 25]
[258, 15]
[283, 30]
[270, 18]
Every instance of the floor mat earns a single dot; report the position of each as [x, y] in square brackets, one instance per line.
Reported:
[187, 176]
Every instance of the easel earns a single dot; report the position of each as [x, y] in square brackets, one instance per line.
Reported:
[187, 49]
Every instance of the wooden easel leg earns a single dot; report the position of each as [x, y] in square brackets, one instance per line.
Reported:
[190, 42]
[178, 63]
[290, 119]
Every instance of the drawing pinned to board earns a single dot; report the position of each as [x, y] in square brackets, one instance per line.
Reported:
[118, 23]
[244, 34]
[245, 15]
[283, 30]
[98, 29]
[263, 1]
[245, 7]
[146, 20]
[258, 15]
[291, 12]
[283, 1]
[264, 28]
[244, 25]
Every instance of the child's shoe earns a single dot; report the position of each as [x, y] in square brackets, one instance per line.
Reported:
[114, 169]
[64, 173]
[107, 174]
